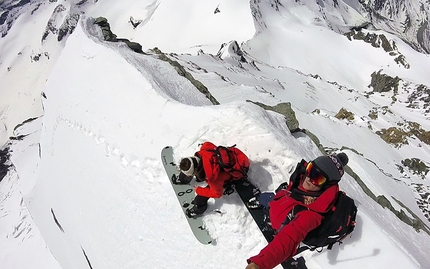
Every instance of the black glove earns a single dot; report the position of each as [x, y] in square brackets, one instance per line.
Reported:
[300, 170]
[295, 176]
[229, 189]
[181, 179]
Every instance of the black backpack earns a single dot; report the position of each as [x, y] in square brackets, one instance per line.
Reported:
[338, 223]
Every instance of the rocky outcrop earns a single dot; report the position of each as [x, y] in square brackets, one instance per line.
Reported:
[231, 49]
[416, 167]
[406, 19]
[373, 114]
[4, 158]
[68, 26]
[182, 72]
[291, 121]
[59, 24]
[424, 198]
[394, 136]
[398, 136]
[413, 221]
[344, 114]
[283, 109]
[384, 83]
[11, 10]
[108, 35]
[418, 95]
[380, 41]
[415, 129]
[420, 98]
[260, 25]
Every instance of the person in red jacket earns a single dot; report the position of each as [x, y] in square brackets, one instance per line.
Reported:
[205, 168]
[311, 192]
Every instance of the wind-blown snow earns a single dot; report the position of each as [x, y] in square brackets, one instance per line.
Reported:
[88, 187]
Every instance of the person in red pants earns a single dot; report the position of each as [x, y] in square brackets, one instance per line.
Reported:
[311, 192]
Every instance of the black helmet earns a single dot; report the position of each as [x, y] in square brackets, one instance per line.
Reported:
[331, 166]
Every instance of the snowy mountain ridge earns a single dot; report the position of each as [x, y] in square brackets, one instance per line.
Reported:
[85, 149]
[405, 19]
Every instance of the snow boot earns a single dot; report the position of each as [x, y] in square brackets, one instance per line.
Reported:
[196, 211]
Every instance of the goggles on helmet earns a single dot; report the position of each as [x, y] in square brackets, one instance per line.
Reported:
[315, 175]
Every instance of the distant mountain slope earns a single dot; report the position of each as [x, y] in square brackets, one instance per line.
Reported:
[406, 19]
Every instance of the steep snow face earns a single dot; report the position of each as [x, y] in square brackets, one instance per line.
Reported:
[163, 23]
[345, 61]
[19, 233]
[42, 27]
[29, 49]
[407, 19]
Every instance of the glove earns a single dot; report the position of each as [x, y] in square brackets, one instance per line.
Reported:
[229, 190]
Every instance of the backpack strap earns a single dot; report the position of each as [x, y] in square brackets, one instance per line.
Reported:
[290, 216]
[230, 162]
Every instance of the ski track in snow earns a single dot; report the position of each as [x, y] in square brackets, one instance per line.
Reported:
[140, 179]
[111, 151]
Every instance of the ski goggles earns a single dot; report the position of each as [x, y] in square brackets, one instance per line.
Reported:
[315, 175]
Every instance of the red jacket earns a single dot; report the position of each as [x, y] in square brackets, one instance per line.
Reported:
[285, 243]
[210, 172]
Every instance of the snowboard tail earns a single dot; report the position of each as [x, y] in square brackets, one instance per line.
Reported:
[185, 195]
[246, 191]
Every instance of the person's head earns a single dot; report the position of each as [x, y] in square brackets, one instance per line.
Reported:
[326, 170]
[189, 165]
